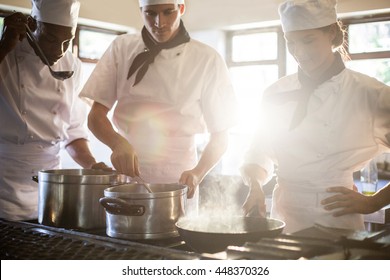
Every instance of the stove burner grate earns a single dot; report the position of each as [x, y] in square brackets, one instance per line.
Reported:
[35, 242]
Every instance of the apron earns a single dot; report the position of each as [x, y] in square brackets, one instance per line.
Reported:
[299, 206]
[304, 171]
[18, 192]
[165, 160]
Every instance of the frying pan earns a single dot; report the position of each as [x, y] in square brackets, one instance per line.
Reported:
[214, 234]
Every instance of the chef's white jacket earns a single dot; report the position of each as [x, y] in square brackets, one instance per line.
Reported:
[37, 114]
[184, 91]
[347, 124]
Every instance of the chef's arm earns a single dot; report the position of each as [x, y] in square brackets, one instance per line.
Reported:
[80, 152]
[381, 198]
[14, 30]
[211, 154]
[254, 176]
[346, 201]
[123, 157]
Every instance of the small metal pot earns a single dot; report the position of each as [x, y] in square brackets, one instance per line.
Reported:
[69, 198]
[134, 213]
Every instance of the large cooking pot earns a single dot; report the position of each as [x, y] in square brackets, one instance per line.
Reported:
[69, 198]
[214, 234]
[134, 213]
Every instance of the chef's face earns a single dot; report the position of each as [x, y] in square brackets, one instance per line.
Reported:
[53, 39]
[312, 49]
[162, 21]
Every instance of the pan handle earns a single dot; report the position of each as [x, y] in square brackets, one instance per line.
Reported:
[117, 206]
[35, 178]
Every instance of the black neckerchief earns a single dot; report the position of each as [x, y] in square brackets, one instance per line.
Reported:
[311, 84]
[142, 60]
[308, 85]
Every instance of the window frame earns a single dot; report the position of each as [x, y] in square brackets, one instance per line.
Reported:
[280, 60]
[365, 19]
[76, 41]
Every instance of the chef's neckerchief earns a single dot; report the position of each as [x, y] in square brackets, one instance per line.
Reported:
[309, 85]
[142, 60]
[302, 95]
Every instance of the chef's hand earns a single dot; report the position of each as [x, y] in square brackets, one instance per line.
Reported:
[14, 30]
[348, 201]
[101, 166]
[254, 204]
[191, 180]
[253, 176]
[125, 160]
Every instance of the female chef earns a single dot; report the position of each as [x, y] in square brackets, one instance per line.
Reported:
[166, 87]
[318, 125]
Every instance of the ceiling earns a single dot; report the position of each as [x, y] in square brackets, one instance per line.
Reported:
[201, 14]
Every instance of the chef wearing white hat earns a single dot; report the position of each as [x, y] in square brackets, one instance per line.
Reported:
[143, 3]
[38, 113]
[320, 125]
[167, 88]
[57, 12]
[304, 15]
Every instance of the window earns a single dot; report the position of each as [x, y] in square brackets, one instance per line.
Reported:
[254, 62]
[93, 43]
[369, 37]
[1, 25]
[369, 48]
[255, 59]
[246, 47]
[377, 68]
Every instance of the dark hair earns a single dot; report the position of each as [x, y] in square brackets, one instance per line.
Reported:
[339, 42]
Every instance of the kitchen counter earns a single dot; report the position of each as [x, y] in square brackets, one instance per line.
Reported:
[30, 241]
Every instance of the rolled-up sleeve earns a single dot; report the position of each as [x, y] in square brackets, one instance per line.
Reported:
[77, 128]
[219, 103]
[78, 122]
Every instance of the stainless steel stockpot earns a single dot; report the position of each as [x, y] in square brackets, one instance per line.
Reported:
[134, 213]
[69, 198]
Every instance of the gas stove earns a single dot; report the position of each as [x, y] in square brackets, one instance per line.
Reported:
[32, 241]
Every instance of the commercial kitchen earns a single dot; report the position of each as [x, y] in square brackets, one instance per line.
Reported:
[87, 214]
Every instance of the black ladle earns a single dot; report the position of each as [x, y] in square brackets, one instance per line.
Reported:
[60, 75]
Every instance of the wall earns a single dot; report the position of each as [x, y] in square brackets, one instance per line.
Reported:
[202, 14]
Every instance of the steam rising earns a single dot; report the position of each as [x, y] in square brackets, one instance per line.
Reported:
[220, 205]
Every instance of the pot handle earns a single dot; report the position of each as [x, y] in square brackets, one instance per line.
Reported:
[117, 206]
[35, 178]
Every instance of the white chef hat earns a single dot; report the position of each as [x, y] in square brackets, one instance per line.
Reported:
[309, 14]
[60, 12]
[159, 2]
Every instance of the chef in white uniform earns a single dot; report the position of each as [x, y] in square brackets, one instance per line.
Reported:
[166, 88]
[38, 113]
[318, 126]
